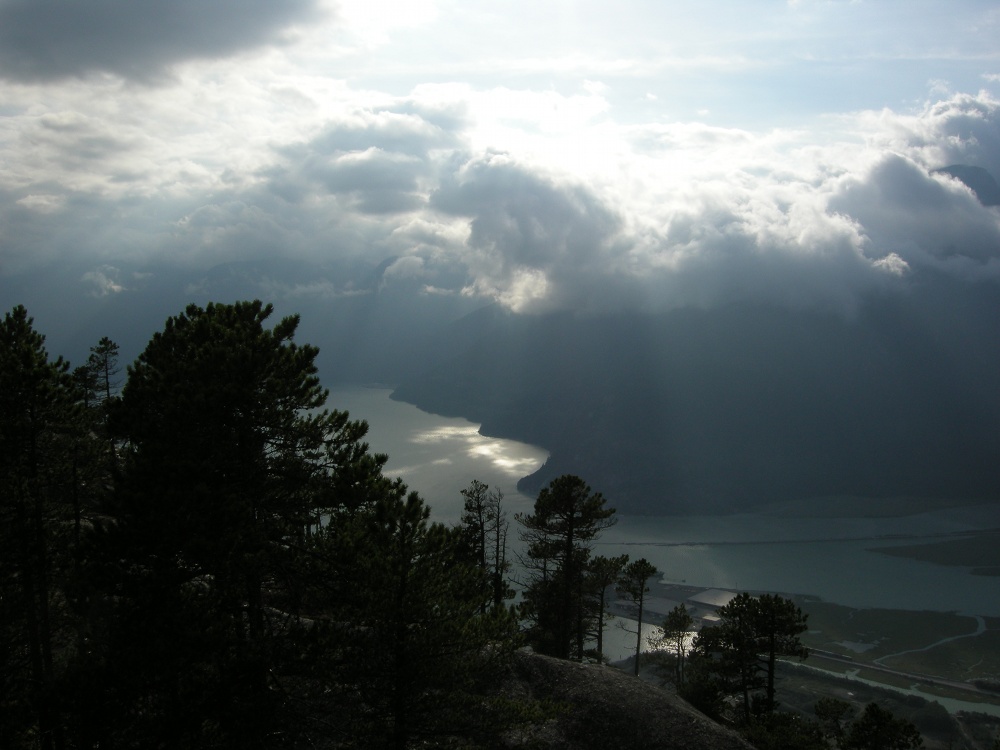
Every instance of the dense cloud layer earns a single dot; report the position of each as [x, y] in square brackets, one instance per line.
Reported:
[393, 187]
[567, 195]
[50, 39]
[809, 229]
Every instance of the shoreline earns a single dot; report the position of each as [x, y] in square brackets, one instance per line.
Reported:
[829, 645]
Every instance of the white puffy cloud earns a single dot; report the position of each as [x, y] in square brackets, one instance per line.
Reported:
[745, 216]
[924, 219]
[104, 281]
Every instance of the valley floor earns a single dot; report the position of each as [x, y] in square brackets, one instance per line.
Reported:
[939, 670]
[942, 656]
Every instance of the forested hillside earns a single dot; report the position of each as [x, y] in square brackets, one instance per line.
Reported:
[208, 558]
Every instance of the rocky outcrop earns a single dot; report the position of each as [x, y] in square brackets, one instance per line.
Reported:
[603, 707]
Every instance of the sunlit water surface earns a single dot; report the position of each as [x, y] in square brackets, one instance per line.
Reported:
[832, 558]
[439, 456]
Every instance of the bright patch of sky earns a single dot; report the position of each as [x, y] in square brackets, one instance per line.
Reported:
[532, 153]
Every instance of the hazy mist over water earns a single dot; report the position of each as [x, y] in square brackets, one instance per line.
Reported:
[761, 553]
[831, 558]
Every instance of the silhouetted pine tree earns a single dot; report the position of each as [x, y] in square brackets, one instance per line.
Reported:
[423, 637]
[567, 518]
[740, 653]
[39, 423]
[602, 572]
[634, 585]
[484, 528]
[227, 469]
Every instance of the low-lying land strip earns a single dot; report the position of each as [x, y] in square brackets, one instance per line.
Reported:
[978, 551]
[952, 655]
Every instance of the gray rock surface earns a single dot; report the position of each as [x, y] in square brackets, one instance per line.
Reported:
[606, 708]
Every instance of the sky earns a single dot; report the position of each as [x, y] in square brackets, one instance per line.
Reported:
[584, 156]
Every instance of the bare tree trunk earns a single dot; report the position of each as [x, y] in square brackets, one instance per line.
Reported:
[600, 626]
[638, 635]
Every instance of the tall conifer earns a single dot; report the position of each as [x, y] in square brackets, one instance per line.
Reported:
[38, 424]
[567, 518]
[229, 464]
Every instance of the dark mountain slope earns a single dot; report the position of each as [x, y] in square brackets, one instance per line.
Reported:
[721, 409]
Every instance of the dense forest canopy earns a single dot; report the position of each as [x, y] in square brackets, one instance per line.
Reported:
[210, 558]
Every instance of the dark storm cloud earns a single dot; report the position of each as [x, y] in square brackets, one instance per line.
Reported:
[379, 182]
[377, 161]
[718, 256]
[50, 224]
[524, 225]
[42, 40]
[341, 194]
[925, 220]
[521, 217]
[401, 185]
[77, 137]
[406, 129]
[539, 244]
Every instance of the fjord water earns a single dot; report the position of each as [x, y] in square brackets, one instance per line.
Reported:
[788, 552]
[834, 559]
[439, 456]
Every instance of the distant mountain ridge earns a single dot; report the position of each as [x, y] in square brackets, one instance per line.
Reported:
[718, 410]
